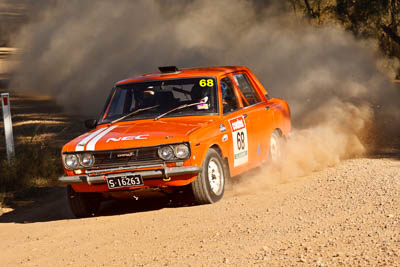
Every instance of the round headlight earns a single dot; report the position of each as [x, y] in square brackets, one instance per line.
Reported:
[87, 160]
[181, 151]
[71, 161]
[166, 153]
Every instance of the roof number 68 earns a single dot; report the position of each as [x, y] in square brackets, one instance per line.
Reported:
[208, 82]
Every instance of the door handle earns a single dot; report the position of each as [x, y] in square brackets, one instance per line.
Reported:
[244, 115]
[267, 107]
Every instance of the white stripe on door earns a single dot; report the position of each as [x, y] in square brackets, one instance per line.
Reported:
[81, 145]
[92, 144]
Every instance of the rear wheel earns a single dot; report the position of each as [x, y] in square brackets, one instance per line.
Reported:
[275, 146]
[83, 204]
[209, 186]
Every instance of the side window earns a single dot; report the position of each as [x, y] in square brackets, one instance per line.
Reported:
[249, 95]
[229, 101]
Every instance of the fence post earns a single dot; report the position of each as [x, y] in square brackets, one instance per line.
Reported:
[8, 131]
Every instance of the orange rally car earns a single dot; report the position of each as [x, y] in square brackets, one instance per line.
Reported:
[175, 129]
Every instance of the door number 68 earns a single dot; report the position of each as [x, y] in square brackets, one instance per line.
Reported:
[240, 141]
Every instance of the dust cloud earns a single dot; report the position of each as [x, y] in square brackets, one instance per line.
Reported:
[341, 102]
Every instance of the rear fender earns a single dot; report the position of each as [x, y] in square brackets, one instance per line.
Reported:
[281, 115]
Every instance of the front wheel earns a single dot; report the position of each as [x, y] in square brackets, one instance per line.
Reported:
[83, 204]
[209, 186]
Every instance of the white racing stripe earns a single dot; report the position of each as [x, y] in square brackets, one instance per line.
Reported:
[91, 145]
[81, 145]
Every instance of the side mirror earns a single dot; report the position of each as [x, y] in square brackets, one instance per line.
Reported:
[267, 96]
[91, 123]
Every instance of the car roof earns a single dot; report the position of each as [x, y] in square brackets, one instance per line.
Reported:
[184, 73]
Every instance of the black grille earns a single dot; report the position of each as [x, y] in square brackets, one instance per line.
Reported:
[126, 157]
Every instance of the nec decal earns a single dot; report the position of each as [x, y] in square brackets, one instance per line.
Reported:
[128, 138]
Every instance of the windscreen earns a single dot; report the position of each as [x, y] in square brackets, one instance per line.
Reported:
[163, 95]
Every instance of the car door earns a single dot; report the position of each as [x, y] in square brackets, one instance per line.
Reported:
[235, 125]
[259, 119]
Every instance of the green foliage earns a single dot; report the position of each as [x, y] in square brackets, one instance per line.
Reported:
[33, 161]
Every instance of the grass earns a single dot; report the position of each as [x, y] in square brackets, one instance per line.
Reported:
[35, 164]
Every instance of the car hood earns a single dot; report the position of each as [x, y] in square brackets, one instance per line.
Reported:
[136, 134]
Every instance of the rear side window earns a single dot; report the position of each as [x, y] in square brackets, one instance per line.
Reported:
[249, 95]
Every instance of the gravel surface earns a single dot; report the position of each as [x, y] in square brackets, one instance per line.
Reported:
[344, 215]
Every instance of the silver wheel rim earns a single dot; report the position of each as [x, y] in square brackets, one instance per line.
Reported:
[274, 148]
[215, 176]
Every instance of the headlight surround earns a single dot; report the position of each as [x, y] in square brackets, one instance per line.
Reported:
[181, 151]
[71, 161]
[166, 153]
[86, 160]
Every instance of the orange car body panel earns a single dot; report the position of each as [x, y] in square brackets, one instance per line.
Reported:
[201, 132]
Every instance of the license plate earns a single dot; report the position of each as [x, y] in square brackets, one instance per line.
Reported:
[124, 181]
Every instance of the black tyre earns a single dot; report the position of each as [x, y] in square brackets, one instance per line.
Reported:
[209, 186]
[275, 146]
[83, 204]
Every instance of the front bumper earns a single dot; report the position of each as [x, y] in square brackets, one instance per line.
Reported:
[164, 173]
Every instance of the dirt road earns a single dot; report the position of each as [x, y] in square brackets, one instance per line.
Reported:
[348, 214]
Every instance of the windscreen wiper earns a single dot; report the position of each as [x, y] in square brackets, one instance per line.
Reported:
[132, 113]
[202, 101]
